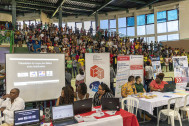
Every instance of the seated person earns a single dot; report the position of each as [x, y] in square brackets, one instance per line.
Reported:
[10, 103]
[138, 85]
[81, 93]
[36, 47]
[128, 88]
[67, 96]
[158, 83]
[103, 92]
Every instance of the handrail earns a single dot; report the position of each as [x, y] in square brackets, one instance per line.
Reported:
[11, 39]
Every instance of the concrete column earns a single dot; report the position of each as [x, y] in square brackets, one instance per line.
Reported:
[117, 31]
[135, 16]
[60, 17]
[96, 19]
[14, 14]
[155, 23]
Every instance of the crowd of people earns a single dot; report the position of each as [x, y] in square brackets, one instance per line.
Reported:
[74, 46]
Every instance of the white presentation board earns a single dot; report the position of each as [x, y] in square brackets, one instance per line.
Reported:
[97, 70]
[38, 76]
[128, 65]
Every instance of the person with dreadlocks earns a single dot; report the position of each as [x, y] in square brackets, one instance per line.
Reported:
[81, 93]
[67, 96]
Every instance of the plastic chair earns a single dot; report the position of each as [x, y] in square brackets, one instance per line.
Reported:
[170, 112]
[185, 108]
[131, 104]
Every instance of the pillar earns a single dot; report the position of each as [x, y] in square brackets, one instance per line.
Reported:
[14, 14]
[96, 19]
[60, 17]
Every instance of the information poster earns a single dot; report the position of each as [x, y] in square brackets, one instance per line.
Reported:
[97, 70]
[156, 66]
[180, 65]
[123, 72]
[127, 66]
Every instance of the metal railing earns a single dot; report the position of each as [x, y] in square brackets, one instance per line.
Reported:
[7, 38]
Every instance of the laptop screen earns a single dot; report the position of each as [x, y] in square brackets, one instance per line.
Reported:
[62, 112]
[26, 117]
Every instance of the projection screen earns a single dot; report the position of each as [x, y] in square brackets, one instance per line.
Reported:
[38, 76]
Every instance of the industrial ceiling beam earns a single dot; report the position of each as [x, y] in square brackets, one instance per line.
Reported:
[39, 4]
[72, 12]
[137, 1]
[59, 4]
[98, 4]
[32, 8]
[148, 4]
[103, 6]
[78, 7]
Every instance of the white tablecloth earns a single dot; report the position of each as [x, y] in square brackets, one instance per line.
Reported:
[148, 105]
[109, 121]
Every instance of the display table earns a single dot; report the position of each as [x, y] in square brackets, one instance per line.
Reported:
[148, 105]
[121, 118]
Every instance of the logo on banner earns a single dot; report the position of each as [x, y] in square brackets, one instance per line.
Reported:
[123, 58]
[178, 80]
[96, 71]
[136, 67]
[94, 86]
[96, 57]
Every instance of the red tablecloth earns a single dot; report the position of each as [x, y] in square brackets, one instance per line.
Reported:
[129, 119]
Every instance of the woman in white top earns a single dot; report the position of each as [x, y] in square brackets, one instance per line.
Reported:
[148, 76]
[82, 92]
[80, 78]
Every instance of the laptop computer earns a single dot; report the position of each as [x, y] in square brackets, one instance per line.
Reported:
[169, 88]
[27, 117]
[111, 104]
[82, 106]
[63, 115]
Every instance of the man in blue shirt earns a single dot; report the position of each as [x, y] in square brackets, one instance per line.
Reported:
[36, 47]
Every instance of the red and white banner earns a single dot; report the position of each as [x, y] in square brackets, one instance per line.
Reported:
[97, 67]
[126, 66]
[180, 65]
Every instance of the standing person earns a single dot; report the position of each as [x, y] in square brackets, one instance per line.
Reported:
[80, 78]
[103, 92]
[75, 71]
[128, 88]
[81, 60]
[69, 65]
[162, 62]
[115, 62]
[149, 75]
[10, 103]
[167, 62]
[68, 77]
[170, 63]
[112, 76]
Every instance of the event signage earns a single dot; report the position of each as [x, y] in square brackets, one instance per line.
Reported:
[180, 65]
[97, 70]
[156, 66]
[126, 66]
